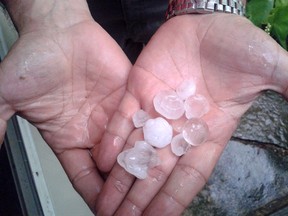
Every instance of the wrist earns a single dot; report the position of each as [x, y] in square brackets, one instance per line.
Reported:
[243, 1]
[182, 7]
[29, 15]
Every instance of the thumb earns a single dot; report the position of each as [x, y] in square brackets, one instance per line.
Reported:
[3, 126]
[6, 112]
[280, 75]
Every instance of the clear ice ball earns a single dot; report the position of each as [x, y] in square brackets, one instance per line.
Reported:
[196, 106]
[157, 132]
[139, 159]
[179, 145]
[195, 131]
[169, 104]
[178, 124]
[186, 89]
[139, 118]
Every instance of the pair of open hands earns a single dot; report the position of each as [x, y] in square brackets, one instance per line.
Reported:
[80, 90]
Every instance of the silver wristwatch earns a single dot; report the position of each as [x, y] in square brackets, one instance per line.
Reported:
[179, 7]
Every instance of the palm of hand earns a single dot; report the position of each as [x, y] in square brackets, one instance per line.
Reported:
[68, 83]
[231, 62]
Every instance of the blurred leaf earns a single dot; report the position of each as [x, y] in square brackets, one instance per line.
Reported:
[279, 22]
[258, 10]
[279, 3]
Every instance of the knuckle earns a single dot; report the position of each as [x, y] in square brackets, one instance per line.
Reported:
[158, 174]
[192, 173]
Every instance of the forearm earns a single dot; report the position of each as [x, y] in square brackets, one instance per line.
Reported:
[31, 14]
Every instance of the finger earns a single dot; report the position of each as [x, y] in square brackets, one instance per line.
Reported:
[6, 112]
[192, 172]
[117, 185]
[119, 181]
[3, 126]
[187, 179]
[114, 190]
[116, 134]
[83, 174]
[143, 191]
[137, 200]
[280, 74]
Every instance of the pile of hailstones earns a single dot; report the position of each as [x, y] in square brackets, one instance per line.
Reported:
[182, 111]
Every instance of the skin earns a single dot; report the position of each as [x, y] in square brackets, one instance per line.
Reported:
[66, 76]
[232, 62]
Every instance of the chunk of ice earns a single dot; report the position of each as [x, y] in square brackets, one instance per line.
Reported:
[139, 118]
[169, 104]
[195, 131]
[179, 146]
[186, 89]
[139, 159]
[178, 124]
[196, 106]
[157, 132]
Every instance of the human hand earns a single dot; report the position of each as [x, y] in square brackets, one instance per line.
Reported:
[232, 62]
[65, 75]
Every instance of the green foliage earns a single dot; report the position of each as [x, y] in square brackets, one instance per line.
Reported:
[272, 16]
[259, 10]
[279, 3]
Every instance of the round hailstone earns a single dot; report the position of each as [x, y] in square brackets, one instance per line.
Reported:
[196, 106]
[195, 131]
[139, 159]
[179, 146]
[139, 118]
[169, 104]
[186, 89]
[178, 124]
[157, 132]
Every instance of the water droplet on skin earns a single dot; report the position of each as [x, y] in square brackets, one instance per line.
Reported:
[158, 132]
[196, 106]
[195, 131]
[139, 118]
[134, 210]
[261, 55]
[139, 159]
[186, 89]
[179, 146]
[169, 104]
[117, 142]
[119, 186]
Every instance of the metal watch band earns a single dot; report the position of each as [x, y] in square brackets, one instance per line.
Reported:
[179, 7]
